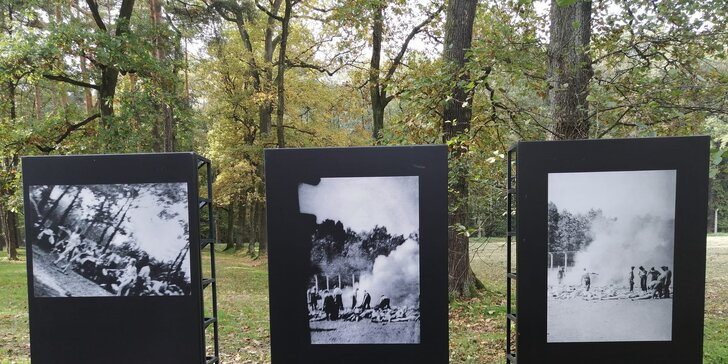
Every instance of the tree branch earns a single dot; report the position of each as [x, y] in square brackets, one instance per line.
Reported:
[94, 6]
[268, 12]
[66, 79]
[398, 58]
[122, 22]
[300, 130]
[69, 129]
[302, 64]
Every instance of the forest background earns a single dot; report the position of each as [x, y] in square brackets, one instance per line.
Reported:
[228, 78]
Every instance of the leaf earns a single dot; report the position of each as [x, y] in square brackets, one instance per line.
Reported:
[566, 2]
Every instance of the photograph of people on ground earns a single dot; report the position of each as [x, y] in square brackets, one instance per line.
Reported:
[610, 256]
[110, 240]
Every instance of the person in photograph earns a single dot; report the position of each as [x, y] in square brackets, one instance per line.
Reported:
[47, 237]
[353, 298]
[643, 278]
[657, 286]
[560, 274]
[586, 279]
[330, 308]
[338, 298]
[84, 259]
[313, 298]
[74, 240]
[128, 278]
[631, 279]
[383, 303]
[667, 273]
[144, 278]
[366, 300]
[157, 288]
[654, 274]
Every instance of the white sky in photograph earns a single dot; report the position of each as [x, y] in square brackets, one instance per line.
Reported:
[361, 203]
[162, 239]
[620, 194]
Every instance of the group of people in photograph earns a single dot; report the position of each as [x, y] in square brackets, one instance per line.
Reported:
[654, 281]
[333, 302]
[122, 276]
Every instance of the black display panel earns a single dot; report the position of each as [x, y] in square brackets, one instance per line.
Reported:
[358, 254]
[611, 250]
[113, 258]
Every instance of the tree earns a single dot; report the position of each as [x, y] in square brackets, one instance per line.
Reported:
[380, 85]
[570, 68]
[456, 124]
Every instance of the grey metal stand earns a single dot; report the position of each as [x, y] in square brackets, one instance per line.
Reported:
[208, 240]
[511, 275]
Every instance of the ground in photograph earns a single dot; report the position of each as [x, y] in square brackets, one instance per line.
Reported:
[609, 320]
[364, 332]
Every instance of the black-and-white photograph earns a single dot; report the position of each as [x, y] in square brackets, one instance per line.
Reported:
[110, 240]
[365, 255]
[610, 256]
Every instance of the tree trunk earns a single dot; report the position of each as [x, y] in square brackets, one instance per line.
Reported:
[45, 196]
[8, 221]
[97, 216]
[2, 233]
[87, 97]
[107, 90]
[280, 80]
[53, 207]
[116, 229]
[252, 227]
[266, 108]
[166, 115]
[243, 227]
[13, 232]
[570, 68]
[375, 92]
[110, 223]
[68, 209]
[263, 242]
[456, 124]
[38, 102]
[229, 236]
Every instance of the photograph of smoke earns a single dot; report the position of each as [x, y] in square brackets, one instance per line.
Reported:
[610, 256]
[365, 256]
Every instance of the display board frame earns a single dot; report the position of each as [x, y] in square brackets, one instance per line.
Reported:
[130, 329]
[688, 157]
[289, 237]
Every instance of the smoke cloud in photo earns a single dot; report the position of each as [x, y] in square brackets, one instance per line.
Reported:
[365, 257]
[600, 224]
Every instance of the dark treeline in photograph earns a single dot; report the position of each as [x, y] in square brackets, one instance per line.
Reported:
[365, 284]
[110, 240]
[610, 258]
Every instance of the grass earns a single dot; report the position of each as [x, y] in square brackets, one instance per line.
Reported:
[476, 325]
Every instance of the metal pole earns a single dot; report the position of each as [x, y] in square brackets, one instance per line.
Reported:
[551, 260]
[327, 282]
[339, 280]
[715, 223]
[315, 277]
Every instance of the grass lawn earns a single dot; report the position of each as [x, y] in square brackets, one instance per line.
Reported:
[476, 325]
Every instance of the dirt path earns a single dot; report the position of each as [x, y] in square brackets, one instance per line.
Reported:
[50, 282]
